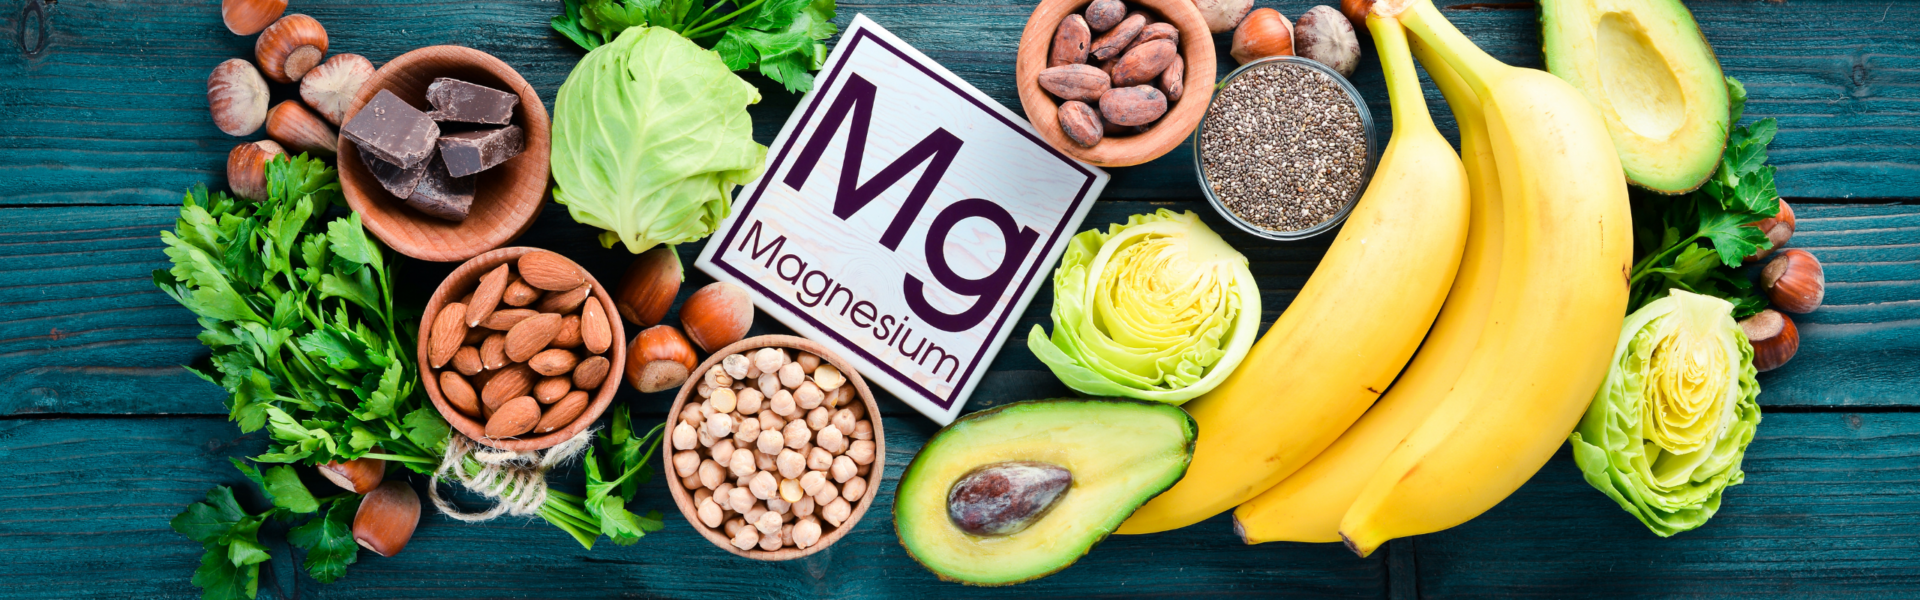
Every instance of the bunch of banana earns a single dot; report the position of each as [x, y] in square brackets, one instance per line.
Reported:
[1506, 377]
[1352, 328]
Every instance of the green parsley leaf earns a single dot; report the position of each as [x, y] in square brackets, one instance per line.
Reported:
[212, 519]
[282, 486]
[328, 540]
[219, 579]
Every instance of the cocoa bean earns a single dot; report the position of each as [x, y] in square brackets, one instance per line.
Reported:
[1156, 31]
[1104, 14]
[1137, 105]
[1113, 42]
[1080, 123]
[1173, 81]
[1075, 82]
[1144, 62]
[1070, 42]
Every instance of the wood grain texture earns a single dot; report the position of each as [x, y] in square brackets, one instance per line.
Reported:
[113, 111]
[82, 327]
[86, 529]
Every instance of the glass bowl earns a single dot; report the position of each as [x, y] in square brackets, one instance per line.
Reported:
[1366, 171]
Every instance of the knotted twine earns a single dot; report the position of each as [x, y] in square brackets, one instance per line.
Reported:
[515, 481]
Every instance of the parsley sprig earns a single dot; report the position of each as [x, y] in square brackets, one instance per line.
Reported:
[1696, 242]
[785, 39]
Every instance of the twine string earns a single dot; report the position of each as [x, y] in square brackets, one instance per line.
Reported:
[515, 481]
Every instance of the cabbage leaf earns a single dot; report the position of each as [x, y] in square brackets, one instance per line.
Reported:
[1665, 435]
[1159, 308]
[650, 138]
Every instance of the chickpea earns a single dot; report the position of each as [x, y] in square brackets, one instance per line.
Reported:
[748, 400]
[718, 379]
[806, 533]
[747, 431]
[854, 489]
[746, 538]
[722, 495]
[819, 418]
[764, 461]
[771, 541]
[769, 359]
[861, 452]
[691, 482]
[843, 420]
[808, 362]
[792, 464]
[770, 421]
[819, 459]
[842, 469]
[808, 396]
[779, 505]
[770, 442]
[703, 390]
[723, 400]
[719, 426]
[723, 452]
[836, 512]
[864, 470]
[734, 525]
[701, 495]
[804, 507]
[769, 522]
[740, 500]
[710, 475]
[831, 440]
[684, 437]
[769, 383]
[797, 434]
[753, 514]
[790, 491]
[810, 482]
[687, 462]
[828, 492]
[828, 378]
[843, 396]
[691, 415]
[863, 430]
[710, 514]
[763, 485]
[706, 439]
[741, 463]
[736, 366]
[782, 403]
[859, 409]
[791, 375]
[786, 534]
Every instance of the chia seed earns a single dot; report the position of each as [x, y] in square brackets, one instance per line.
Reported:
[1283, 147]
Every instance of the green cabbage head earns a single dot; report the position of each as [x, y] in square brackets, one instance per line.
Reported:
[1665, 435]
[1159, 309]
[650, 138]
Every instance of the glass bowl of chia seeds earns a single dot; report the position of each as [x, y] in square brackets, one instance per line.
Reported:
[1285, 149]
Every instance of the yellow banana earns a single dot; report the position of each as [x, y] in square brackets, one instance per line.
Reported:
[1557, 309]
[1351, 329]
[1307, 506]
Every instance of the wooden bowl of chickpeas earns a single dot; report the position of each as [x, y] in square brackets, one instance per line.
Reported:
[776, 448]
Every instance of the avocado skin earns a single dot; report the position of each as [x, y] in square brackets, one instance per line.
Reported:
[1685, 160]
[1189, 429]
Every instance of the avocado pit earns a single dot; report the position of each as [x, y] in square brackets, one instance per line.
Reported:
[1006, 497]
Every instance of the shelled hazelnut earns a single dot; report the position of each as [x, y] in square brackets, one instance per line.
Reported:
[770, 465]
[290, 47]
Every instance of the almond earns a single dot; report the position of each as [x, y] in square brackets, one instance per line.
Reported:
[467, 361]
[517, 416]
[459, 394]
[487, 296]
[553, 362]
[562, 413]
[505, 319]
[592, 372]
[595, 331]
[550, 271]
[551, 389]
[493, 351]
[448, 332]
[565, 302]
[518, 293]
[569, 336]
[530, 336]
[512, 382]
[475, 335]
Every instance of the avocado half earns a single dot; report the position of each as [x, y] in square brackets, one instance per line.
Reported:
[1121, 454]
[1648, 69]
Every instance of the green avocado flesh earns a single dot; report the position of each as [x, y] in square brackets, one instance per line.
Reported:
[1645, 65]
[1121, 454]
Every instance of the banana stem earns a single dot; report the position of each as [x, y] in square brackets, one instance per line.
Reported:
[1467, 59]
[1403, 86]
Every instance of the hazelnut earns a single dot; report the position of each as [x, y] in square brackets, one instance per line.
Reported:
[1223, 15]
[1779, 229]
[717, 315]
[248, 17]
[1356, 12]
[1774, 339]
[1325, 36]
[300, 130]
[290, 47]
[359, 475]
[331, 87]
[386, 518]
[1264, 33]
[1794, 281]
[659, 359]
[247, 168]
[237, 97]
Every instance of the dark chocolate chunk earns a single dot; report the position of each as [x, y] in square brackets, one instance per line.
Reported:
[393, 131]
[441, 194]
[399, 181]
[475, 151]
[456, 100]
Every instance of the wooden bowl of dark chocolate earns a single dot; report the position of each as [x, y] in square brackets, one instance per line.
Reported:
[506, 197]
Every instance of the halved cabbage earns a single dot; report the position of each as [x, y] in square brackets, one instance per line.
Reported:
[1159, 308]
[1665, 434]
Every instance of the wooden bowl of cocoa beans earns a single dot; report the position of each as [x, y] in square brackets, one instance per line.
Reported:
[1115, 83]
[802, 439]
[520, 349]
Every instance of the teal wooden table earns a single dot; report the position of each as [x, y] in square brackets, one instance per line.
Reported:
[103, 124]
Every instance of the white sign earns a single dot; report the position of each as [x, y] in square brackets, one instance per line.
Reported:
[905, 219]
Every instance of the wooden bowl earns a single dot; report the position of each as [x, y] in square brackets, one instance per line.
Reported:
[462, 281]
[506, 197]
[683, 497]
[1196, 48]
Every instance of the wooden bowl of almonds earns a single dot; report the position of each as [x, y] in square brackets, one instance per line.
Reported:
[775, 448]
[519, 349]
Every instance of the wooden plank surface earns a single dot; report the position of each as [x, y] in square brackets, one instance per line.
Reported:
[112, 109]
